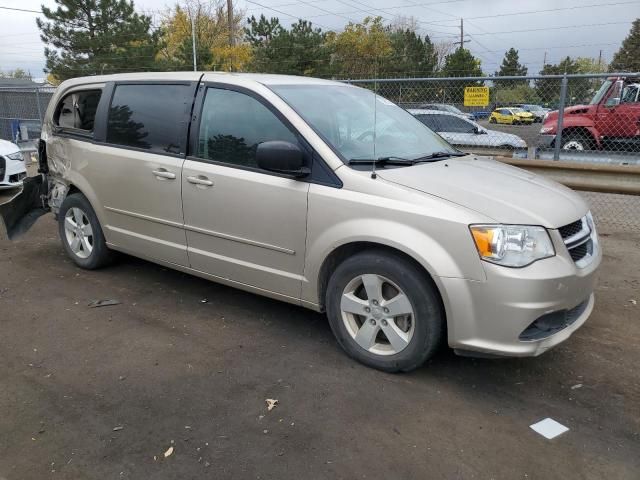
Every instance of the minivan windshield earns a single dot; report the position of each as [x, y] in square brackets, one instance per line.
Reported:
[360, 125]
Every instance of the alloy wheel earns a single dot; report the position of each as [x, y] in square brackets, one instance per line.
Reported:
[78, 232]
[377, 314]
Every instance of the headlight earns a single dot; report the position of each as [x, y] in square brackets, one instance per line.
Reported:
[16, 156]
[546, 129]
[512, 245]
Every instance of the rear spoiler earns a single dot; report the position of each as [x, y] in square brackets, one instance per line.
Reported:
[18, 214]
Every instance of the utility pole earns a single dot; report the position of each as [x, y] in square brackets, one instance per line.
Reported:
[544, 62]
[599, 60]
[230, 21]
[193, 41]
[462, 40]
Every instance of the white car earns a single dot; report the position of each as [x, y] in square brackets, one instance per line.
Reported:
[461, 131]
[12, 167]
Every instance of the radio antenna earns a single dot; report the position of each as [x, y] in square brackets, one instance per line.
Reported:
[375, 120]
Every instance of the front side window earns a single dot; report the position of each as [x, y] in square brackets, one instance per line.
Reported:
[630, 93]
[359, 124]
[452, 124]
[429, 120]
[232, 126]
[77, 110]
[151, 117]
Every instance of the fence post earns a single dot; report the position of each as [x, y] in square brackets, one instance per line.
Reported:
[39, 108]
[563, 98]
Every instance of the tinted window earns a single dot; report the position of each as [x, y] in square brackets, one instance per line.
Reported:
[149, 116]
[77, 110]
[234, 124]
[429, 121]
[449, 123]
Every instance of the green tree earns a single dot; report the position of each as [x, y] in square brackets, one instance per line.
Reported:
[460, 63]
[411, 55]
[298, 51]
[511, 65]
[89, 37]
[17, 73]
[627, 59]
[361, 49]
[579, 90]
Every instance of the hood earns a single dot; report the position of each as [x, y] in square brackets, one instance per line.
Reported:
[500, 138]
[574, 110]
[524, 114]
[502, 192]
[7, 148]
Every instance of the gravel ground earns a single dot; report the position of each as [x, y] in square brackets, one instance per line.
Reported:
[103, 393]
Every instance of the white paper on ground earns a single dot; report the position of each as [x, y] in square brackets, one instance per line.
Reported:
[549, 428]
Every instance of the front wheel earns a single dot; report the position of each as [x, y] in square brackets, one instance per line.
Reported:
[577, 141]
[492, 120]
[81, 234]
[384, 311]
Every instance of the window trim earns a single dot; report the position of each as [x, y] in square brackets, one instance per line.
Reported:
[319, 168]
[71, 131]
[183, 136]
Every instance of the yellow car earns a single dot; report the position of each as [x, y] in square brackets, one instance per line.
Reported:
[511, 116]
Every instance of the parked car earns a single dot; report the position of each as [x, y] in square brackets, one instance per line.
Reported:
[320, 194]
[443, 107]
[511, 116]
[609, 122]
[12, 166]
[537, 111]
[459, 131]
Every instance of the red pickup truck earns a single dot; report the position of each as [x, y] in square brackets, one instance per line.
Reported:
[611, 121]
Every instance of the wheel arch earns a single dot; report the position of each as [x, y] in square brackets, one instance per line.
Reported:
[342, 252]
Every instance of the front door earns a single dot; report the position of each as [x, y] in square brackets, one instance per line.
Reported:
[242, 223]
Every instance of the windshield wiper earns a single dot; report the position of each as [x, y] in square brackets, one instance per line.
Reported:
[381, 161]
[438, 156]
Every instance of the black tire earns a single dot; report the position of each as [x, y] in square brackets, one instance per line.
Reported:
[493, 120]
[577, 141]
[100, 255]
[428, 317]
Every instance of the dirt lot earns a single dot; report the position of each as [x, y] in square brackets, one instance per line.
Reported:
[172, 369]
[529, 133]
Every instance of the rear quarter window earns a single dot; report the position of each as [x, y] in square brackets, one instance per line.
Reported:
[77, 110]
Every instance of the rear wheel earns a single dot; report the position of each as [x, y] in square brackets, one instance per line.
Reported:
[81, 233]
[384, 311]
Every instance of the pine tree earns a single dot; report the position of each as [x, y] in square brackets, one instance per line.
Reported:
[627, 59]
[89, 37]
[411, 55]
[460, 63]
[511, 65]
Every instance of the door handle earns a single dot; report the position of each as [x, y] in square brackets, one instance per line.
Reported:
[200, 181]
[162, 173]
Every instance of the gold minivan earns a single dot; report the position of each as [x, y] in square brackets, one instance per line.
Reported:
[321, 194]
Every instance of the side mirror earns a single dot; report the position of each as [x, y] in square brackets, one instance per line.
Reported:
[281, 157]
[479, 131]
[612, 102]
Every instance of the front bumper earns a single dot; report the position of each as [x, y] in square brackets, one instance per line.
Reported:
[14, 174]
[490, 316]
[545, 140]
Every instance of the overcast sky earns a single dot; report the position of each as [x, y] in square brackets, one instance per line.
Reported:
[580, 28]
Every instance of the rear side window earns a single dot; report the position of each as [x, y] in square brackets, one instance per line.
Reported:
[151, 117]
[234, 124]
[452, 124]
[77, 110]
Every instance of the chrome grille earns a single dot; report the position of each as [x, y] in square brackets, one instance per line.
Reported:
[571, 229]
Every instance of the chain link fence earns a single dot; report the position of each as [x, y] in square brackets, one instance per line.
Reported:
[21, 113]
[520, 117]
[591, 118]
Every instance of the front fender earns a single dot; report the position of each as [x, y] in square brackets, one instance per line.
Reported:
[458, 259]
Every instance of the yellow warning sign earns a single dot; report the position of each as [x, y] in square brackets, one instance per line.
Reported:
[476, 96]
